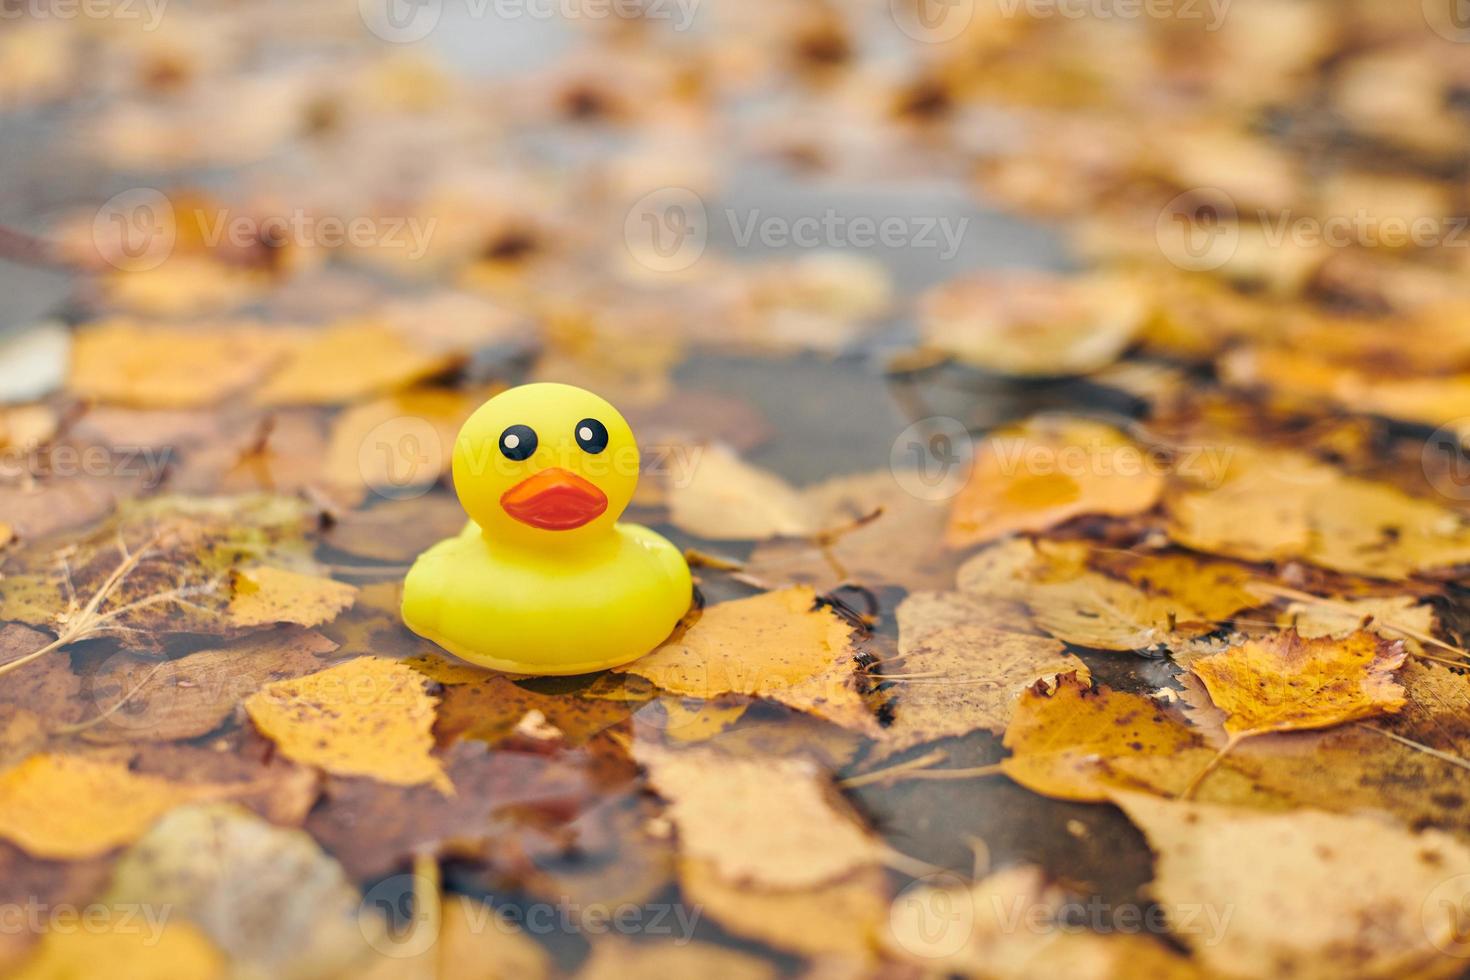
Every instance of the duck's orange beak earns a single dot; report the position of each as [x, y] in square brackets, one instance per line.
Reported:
[554, 500]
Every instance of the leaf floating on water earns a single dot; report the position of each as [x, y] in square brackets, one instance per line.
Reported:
[265, 595]
[778, 645]
[126, 362]
[1078, 743]
[133, 949]
[1284, 682]
[972, 929]
[1290, 892]
[967, 674]
[270, 898]
[725, 498]
[1047, 471]
[367, 358]
[148, 700]
[767, 822]
[41, 811]
[366, 717]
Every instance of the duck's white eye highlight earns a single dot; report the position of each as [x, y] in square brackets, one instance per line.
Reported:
[584, 434]
[512, 441]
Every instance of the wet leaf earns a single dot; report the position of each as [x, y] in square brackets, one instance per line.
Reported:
[779, 645]
[39, 811]
[366, 717]
[130, 363]
[767, 822]
[269, 898]
[264, 595]
[1075, 742]
[1047, 471]
[174, 951]
[1343, 871]
[1284, 682]
[138, 699]
[962, 674]
[367, 359]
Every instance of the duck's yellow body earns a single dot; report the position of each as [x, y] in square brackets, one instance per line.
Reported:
[543, 580]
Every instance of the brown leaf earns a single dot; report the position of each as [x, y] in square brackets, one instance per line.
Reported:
[149, 700]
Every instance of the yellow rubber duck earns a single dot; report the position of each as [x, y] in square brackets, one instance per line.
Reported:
[543, 580]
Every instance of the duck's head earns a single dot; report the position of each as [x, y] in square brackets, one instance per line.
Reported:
[545, 465]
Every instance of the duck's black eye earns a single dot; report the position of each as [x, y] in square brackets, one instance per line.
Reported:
[592, 435]
[518, 442]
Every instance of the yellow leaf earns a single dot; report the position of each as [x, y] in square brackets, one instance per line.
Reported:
[853, 910]
[130, 950]
[1078, 605]
[125, 362]
[1033, 324]
[1047, 471]
[725, 498]
[67, 807]
[366, 717]
[767, 821]
[365, 358]
[1067, 743]
[1219, 877]
[266, 595]
[777, 645]
[1283, 682]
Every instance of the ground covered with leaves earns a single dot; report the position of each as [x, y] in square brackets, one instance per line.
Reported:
[1105, 623]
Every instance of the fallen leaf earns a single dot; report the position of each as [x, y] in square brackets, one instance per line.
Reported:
[769, 822]
[39, 811]
[129, 363]
[366, 717]
[263, 595]
[1344, 871]
[1073, 742]
[1283, 682]
[269, 898]
[1034, 324]
[964, 675]
[1013, 925]
[149, 700]
[1089, 608]
[367, 358]
[897, 547]
[853, 910]
[1047, 471]
[777, 645]
[501, 799]
[724, 498]
[171, 951]
[160, 566]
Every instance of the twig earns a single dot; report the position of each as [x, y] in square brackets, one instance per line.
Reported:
[1453, 760]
